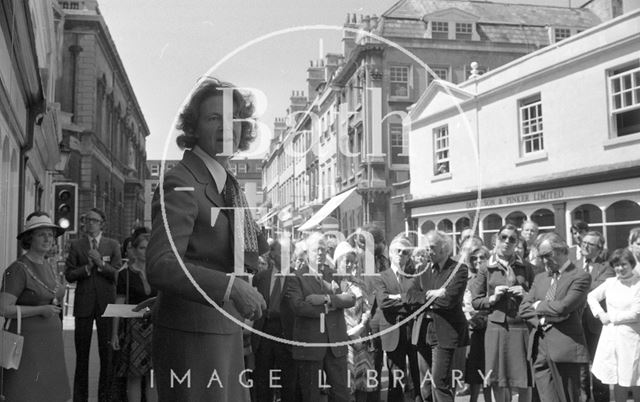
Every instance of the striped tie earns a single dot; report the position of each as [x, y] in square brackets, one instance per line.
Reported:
[551, 293]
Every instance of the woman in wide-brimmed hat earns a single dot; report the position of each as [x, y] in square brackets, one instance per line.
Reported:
[32, 286]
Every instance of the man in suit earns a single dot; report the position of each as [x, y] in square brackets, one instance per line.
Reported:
[444, 325]
[318, 306]
[273, 358]
[594, 263]
[553, 307]
[92, 263]
[391, 297]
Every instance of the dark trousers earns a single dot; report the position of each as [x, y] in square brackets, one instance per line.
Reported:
[438, 363]
[310, 381]
[397, 369]
[83, 332]
[275, 356]
[556, 382]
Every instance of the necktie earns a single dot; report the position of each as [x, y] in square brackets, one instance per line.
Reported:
[551, 293]
[274, 298]
[94, 243]
[587, 266]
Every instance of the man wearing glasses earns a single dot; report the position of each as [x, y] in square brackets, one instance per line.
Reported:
[92, 263]
[594, 263]
[391, 290]
[553, 307]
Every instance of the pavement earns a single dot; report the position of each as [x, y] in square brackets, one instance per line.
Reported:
[68, 326]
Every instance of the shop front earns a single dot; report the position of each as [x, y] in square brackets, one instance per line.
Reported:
[610, 207]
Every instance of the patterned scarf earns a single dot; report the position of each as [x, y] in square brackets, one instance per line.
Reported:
[234, 197]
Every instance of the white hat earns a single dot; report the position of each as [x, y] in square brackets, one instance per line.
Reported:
[37, 222]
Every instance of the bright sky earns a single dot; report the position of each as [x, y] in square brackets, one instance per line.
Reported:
[166, 45]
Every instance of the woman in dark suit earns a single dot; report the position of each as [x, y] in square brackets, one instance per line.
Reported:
[498, 289]
[197, 346]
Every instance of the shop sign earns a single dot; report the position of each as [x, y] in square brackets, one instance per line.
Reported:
[522, 198]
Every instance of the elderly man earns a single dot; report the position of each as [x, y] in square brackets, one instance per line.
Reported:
[594, 263]
[444, 326]
[554, 307]
[391, 289]
[529, 232]
[318, 306]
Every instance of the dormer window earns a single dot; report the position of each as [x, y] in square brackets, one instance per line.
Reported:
[464, 30]
[439, 30]
[561, 33]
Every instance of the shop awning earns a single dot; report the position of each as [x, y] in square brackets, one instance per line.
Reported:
[326, 210]
[268, 216]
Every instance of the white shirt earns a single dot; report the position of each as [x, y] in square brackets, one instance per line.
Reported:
[217, 171]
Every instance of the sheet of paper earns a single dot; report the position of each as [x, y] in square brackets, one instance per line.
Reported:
[122, 310]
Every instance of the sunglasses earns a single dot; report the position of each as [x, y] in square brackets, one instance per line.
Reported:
[508, 239]
[405, 253]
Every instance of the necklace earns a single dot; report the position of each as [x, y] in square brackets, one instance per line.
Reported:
[53, 291]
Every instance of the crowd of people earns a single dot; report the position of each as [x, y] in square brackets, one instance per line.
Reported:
[236, 316]
[562, 325]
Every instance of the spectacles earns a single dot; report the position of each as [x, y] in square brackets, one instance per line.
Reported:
[93, 220]
[586, 243]
[546, 256]
[509, 239]
[478, 258]
[405, 253]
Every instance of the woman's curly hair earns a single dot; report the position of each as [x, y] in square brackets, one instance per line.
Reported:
[243, 108]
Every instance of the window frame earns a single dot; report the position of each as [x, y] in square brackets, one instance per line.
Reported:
[463, 33]
[154, 169]
[533, 101]
[404, 146]
[407, 83]
[557, 37]
[438, 151]
[631, 70]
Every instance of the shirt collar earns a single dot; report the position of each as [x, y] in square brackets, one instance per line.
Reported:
[217, 171]
[98, 237]
[562, 268]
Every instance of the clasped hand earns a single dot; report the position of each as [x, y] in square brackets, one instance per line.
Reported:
[434, 293]
[95, 257]
[316, 299]
[248, 300]
[604, 318]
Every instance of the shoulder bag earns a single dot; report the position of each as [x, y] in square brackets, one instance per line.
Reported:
[12, 344]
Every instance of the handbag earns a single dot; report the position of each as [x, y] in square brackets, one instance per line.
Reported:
[12, 344]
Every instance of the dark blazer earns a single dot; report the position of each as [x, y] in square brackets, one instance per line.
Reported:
[600, 271]
[306, 326]
[485, 283]
[262, 282]
[565, 339]
[98, 288]
[204, 241]
[448, 322]
[390, 310]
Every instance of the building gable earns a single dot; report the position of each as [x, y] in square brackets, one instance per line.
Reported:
[439, 96]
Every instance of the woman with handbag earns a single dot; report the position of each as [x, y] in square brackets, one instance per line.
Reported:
[132, 336]
[32, 285]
